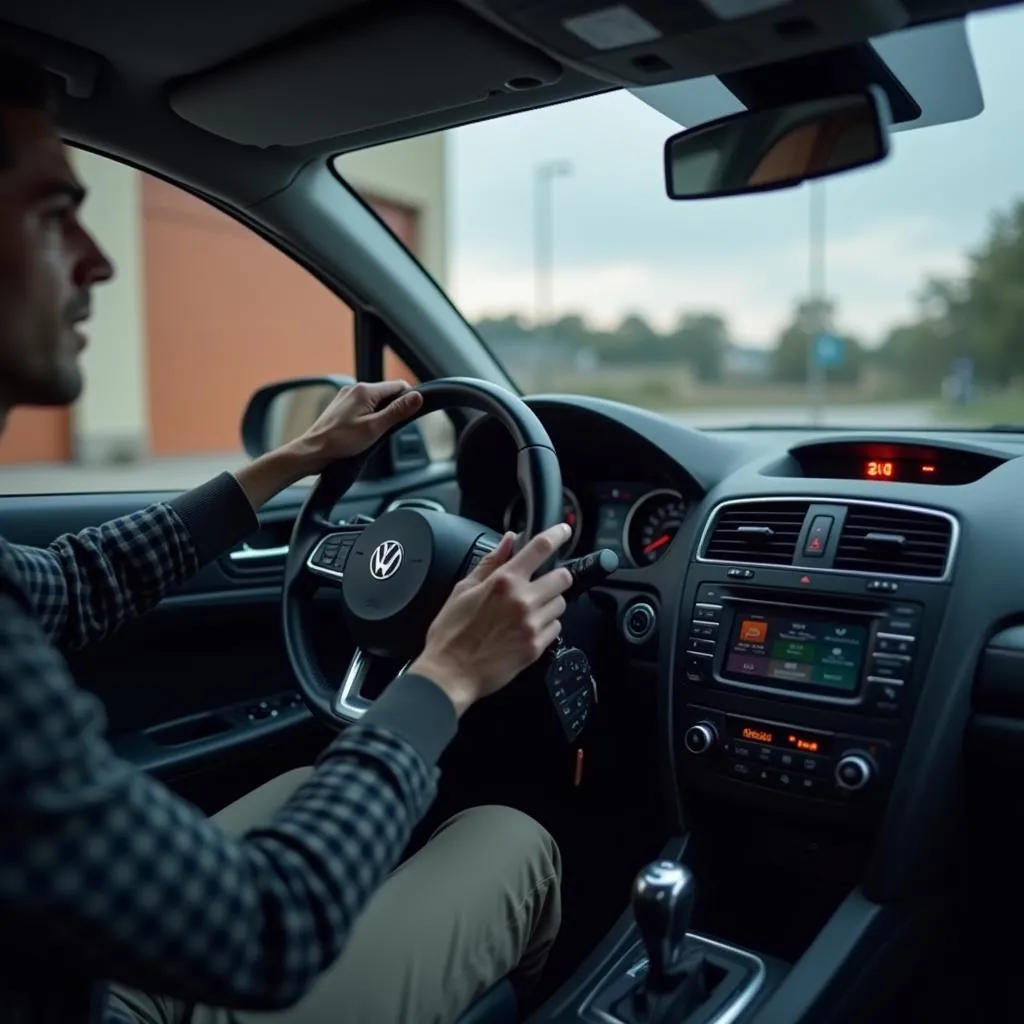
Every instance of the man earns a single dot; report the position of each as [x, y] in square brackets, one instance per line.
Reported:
[284, 902]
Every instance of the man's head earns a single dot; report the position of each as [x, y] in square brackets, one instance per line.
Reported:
[48, 261]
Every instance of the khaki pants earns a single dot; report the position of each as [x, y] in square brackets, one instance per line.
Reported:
[480, 901]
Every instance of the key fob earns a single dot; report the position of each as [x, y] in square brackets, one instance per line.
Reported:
[570, 688]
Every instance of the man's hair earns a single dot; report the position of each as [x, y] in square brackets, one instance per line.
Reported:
[24, 85]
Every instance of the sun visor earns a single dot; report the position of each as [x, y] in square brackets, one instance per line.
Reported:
[932, 63]
[419, 59]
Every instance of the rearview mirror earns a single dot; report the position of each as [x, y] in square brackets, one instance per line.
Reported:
[764, 150]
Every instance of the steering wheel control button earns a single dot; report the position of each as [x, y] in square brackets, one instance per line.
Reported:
[701, 738]
[817, 536]
[571, 688]
[639, 622]
[854, 772]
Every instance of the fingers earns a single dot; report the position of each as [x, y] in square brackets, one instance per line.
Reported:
[551, 585]
[533, 555]
[549, 635]
[493, 559]
[380, 391]
[396, 411]
[550, 611]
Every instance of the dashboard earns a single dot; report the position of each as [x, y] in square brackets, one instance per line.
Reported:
[821, 603]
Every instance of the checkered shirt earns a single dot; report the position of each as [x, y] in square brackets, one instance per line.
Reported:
[106, 872]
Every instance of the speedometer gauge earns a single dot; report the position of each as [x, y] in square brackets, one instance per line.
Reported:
[651, 525]
[515, 518]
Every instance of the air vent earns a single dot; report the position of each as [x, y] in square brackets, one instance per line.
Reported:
[902, 542]
[762, 532]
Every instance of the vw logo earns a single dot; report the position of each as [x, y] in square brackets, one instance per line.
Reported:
[385, 559]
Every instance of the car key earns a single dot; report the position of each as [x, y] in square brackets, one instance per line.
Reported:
[570, 687]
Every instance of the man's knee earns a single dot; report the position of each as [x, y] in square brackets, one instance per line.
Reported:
[518, 839]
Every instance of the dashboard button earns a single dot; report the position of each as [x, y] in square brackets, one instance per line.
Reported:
[702, 646]
[710, 593]
[817, 536]
[854, 772]
[786, 759]
[883, 696]
[894, 643]
[809, 786]
[707, 612]
[889, 667]
[741, 751]
[697, 668]
[706, 630]
[638, 622]
[741, 769]
[883, 586]
[740, 574]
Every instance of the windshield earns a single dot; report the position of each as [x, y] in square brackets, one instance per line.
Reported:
[892, 296]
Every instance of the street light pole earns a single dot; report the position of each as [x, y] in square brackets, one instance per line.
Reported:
[817, 288]
[544, 175]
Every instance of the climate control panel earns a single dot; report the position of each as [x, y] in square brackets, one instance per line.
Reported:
[782, 757]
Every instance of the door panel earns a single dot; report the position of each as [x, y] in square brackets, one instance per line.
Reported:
[203, 680]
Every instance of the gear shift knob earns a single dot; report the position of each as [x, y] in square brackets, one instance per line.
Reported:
[663, 897]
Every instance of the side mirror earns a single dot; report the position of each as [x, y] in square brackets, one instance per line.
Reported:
[765, 150]
[280, 412]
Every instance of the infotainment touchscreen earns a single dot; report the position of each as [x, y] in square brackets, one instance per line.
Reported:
[796, 652]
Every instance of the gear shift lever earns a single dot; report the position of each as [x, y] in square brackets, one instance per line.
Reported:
[663, 898]
[676, 982]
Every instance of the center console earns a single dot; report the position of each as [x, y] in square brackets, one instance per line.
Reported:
[794, 683]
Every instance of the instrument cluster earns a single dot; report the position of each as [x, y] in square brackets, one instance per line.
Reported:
[637, 521]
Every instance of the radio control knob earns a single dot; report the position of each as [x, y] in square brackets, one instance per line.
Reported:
[854, 771]
[700, 738]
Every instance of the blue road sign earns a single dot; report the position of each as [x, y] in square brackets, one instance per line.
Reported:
[828, 350]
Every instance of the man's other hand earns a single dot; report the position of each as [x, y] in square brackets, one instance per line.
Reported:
[497, 621]
[356, 418]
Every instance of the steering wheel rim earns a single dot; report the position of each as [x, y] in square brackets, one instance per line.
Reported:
[443, 547]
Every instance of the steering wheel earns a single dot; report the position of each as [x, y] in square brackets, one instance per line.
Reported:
[396, 572]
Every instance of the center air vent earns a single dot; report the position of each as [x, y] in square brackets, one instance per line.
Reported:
[903, 542]
[762, 532]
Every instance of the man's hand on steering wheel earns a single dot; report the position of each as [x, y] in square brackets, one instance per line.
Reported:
[498, 620]
[358, 416]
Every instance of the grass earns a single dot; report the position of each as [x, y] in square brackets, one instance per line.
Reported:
[1007, 408]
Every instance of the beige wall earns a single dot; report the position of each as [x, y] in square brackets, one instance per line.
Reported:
[412, 172]
[109, 421]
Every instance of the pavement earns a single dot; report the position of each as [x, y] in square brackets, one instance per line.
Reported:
[178, 474]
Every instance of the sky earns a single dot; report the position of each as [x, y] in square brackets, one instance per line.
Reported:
[620, 246]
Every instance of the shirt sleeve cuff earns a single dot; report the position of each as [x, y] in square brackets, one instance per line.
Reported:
[217, 515]
[418, 711]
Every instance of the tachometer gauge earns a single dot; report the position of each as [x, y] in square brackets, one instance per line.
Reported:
[515, 518]
[651, 525]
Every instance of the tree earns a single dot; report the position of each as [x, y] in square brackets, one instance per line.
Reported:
[702, 340]
[792, 349]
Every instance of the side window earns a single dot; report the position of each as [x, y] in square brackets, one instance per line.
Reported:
[201, 312]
